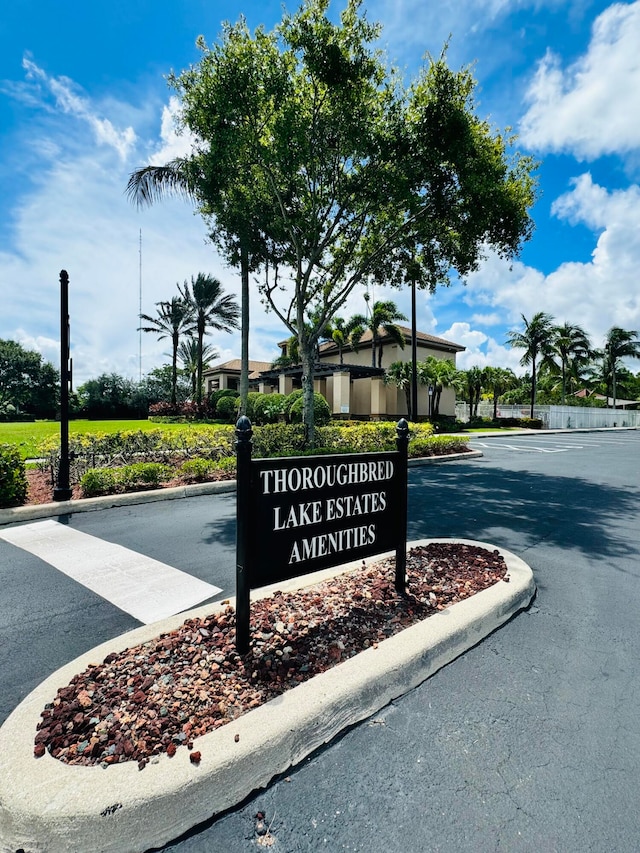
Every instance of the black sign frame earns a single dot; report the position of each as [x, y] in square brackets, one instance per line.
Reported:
[296, 515]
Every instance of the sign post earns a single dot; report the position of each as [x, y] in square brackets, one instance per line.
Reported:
[243, 532]
[296, 515]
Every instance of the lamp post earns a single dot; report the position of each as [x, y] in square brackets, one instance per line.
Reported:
[414, 354]
[62, 491]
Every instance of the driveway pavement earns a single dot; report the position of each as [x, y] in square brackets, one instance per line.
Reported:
[529, 742]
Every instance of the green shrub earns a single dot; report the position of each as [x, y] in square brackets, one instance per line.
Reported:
[252, 401]
[227, 466]
[276, 439]
[127, 478]
[531, 423]
[98, 481]
[145, 474]
[436, 445]
[290, 400]
[13, 479]
[269, 407]
[227, 408]
[321, 410]
[198, 470]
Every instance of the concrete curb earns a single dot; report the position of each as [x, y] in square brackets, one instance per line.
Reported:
[51, 510]
[46, 805]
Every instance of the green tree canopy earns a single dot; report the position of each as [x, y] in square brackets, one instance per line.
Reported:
[27, 382]
[348, 171]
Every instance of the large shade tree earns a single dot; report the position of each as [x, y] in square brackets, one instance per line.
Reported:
[174, 318]
[535, 339]
[27, 382]
[346, 169]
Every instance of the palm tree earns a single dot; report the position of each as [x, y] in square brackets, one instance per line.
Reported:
[345, 332]
[182, 177]
[175, 318]
[473, 379]
[188, 355]
[498, 380]
[535, 340]
[570, 345]
[438, 374]
[383, 316]
[619, 343]
[211, 310]
[399, 374]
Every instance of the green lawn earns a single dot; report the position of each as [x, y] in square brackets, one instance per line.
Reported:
[27, 436]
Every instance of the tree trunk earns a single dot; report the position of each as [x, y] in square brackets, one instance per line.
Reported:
[199, 368]
[174, 370]
[533, 386]
[308, 413]
[436, 402]
[244, 333]
[613, 384]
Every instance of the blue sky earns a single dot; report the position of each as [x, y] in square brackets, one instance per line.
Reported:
[84, 101]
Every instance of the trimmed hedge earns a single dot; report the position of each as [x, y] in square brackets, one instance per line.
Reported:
[208, 453]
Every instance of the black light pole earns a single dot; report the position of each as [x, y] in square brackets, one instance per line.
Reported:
[62, 492]
[414, 356]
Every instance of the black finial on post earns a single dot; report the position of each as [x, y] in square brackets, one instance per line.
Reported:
[243, 445]
[63, 492]
[402, 445]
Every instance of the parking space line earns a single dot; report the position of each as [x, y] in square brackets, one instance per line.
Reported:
[141, 586]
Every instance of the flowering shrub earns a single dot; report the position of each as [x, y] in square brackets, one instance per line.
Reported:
[162, 409]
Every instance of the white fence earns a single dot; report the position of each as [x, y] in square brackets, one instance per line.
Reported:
[558, 417]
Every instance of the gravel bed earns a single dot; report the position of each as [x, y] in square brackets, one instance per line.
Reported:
[159, 696]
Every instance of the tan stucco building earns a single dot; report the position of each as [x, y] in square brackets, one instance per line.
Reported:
[353, 388]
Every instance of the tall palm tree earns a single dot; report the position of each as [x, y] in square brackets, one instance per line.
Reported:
[498, 380]
[569, 345]
[535, 340]
[188, 355]
[174, 318]
[181, 177]
[619, 344]
[384, 315]
[211, 309]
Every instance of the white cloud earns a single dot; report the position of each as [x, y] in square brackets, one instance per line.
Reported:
[173, 143]
[590, 108]
[597, 294]
[493, 319]
[69, 101]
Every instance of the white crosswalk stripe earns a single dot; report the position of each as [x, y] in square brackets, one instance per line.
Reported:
[146, 588]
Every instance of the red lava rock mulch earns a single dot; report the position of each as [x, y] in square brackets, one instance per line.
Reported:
[162, 694]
